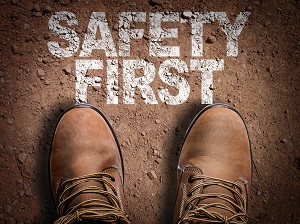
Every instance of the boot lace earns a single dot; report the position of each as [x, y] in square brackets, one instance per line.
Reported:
[92, 209]
[201, 213]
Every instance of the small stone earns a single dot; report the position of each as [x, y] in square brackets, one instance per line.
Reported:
[41, 74]
[78, 30]
[155, 152]
[22, 193]
[284, 140]
[22, 157]
[36, 8]
[156, 2]
[47, 82]
[28, 38]
[96, 88]
[45, 60]
[143, 133]
[258, 193]
[115, 27]
[115, 88]
[37, 14]
[10, 121]
[212, 87]
[211, 39]
[146, 37]
[157, 121]
[152, 175]
[47, 9]
[64, 2]
[15, 49]
[67, 70]
[249, 8]
[187, 15]
[270, 69]
[28, 193]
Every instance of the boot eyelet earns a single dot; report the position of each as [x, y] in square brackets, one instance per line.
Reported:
[190, 180]
[113, 179]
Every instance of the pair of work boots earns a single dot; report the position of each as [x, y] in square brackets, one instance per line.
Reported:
[214, 169]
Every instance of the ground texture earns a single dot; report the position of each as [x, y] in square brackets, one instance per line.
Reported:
[262, 82]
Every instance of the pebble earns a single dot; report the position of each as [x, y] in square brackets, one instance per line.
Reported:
[211, 39]
[22, 157]
[64, 2]
[157, 121]
[212, 87]
[47, 82]
[143, 133]
[41, 74]
[22, 193]
[15, 49]
[10, 121]
[47, 9]
[157, 2]
[115, 27]
[152, 175]
[284, 140]
[146, 37]
[187, 15]
[36, 8]
[270, 69]
[67, 70]
[37, 14]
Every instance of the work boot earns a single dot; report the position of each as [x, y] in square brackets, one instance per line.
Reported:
[214, 169]
[86, 168]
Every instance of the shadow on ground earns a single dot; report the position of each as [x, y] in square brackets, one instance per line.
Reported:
[47, 213]
[184, 119]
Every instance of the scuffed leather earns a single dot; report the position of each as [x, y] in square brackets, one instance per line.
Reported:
[218, 146]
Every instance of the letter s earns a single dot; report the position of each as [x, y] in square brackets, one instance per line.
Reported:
[63, 33]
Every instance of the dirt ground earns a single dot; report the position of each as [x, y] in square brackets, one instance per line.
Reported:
[262, 83]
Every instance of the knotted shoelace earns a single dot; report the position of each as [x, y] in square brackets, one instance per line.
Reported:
[92, 209]
[201, 213]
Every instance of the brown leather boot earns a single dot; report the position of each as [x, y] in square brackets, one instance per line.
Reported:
[86, 168]
[214, 169]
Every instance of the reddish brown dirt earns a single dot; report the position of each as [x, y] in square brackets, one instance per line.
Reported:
[262, 83]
